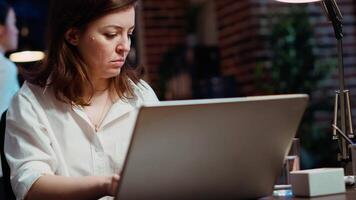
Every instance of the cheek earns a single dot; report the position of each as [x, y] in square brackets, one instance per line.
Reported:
[94, 51]
[101, 49]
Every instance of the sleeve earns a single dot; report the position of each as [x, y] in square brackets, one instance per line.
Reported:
[27, 145]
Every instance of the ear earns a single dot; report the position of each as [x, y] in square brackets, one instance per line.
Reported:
[72, 36]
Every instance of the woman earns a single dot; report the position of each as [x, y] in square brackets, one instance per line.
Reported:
[68, 128]
[8, 42]
[9, 84]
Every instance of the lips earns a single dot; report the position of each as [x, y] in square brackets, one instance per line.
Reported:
[118, 62]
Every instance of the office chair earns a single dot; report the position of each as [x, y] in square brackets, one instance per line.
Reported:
[6, 189]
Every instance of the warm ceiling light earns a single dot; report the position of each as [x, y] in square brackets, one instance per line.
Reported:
[26, 56]
[298, 1]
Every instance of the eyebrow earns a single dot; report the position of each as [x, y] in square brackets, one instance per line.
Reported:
[118, 27]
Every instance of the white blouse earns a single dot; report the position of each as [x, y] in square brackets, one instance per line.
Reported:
[46, 136]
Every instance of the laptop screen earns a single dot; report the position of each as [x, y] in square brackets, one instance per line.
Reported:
[210, 149]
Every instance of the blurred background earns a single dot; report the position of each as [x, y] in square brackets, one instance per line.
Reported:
[227, 48]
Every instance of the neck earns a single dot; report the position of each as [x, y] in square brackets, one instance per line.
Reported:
[100, 84]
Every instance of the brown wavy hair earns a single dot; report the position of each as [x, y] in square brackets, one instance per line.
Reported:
[4, 11]
[63, 69]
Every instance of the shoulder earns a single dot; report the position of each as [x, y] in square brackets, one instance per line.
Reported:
[30, 90]
[28, 95]
[144, 92]
[7, 67]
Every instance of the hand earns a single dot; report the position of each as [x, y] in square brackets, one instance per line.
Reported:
[112, 184]
[85, 187]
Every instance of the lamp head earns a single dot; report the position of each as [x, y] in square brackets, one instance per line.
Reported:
[298, 1]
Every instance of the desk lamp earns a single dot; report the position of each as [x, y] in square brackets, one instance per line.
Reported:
[342, 96]
[26, 56]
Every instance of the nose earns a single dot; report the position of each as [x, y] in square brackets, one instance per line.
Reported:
[124, 44]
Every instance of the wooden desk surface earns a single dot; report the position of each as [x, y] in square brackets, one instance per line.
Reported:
[349, 195]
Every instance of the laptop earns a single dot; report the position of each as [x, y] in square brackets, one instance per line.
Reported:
[230, 148]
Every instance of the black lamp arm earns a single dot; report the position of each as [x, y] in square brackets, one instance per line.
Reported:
[333, 13]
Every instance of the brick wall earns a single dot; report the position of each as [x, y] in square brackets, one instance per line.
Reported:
[242, 32]
[239, 40]
[164, 24]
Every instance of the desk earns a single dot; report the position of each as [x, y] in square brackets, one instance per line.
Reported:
[349, 195]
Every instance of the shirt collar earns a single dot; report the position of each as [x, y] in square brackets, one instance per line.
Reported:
[117, 110]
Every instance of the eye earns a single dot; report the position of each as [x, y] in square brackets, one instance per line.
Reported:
[130, 36]
[110, 35]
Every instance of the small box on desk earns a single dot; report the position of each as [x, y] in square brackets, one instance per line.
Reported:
[317, 182]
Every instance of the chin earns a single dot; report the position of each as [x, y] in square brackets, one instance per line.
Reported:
[113, 73]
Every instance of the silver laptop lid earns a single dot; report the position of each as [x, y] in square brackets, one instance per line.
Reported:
[210, 149]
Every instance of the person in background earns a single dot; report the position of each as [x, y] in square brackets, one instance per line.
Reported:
[9, 84]
[8, 42]
[68, 128]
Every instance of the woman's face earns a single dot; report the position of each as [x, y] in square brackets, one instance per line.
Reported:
[105, 43]
[10, 33]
